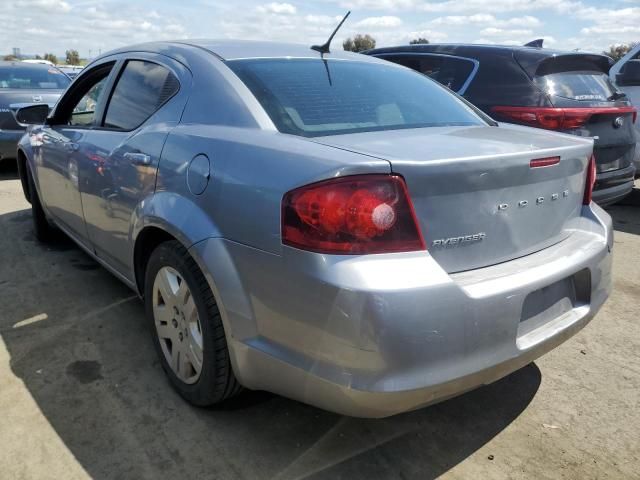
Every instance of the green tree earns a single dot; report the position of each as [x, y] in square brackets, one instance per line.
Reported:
[73, 57]
[9, 58]
[618, 51]
[51, 57]
[359, 43]
[419, 40]
[38, 57]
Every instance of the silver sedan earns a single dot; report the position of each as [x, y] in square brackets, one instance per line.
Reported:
[333, 228]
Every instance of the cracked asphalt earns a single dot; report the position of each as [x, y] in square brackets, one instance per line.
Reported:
[82, 394]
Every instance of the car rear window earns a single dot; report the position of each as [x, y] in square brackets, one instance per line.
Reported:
[30, 78]
[452, 72]
[578, 85]
[312, 97]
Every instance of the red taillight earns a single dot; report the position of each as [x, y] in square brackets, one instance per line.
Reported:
[559, 118]
[591, 181]
[351, 215]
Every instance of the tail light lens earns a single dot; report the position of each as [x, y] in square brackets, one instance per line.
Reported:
[351, 215]
[559, 118]
[591, 181]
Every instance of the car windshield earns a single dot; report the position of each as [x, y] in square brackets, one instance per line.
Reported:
[32, 77]
[589, 86]
[311, 97]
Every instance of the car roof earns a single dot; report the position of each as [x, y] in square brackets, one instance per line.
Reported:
[227, 49]
[26, 65]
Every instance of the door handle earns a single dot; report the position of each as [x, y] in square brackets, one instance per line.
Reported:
[138, 158]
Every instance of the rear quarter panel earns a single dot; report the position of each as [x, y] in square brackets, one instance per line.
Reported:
[250, 171]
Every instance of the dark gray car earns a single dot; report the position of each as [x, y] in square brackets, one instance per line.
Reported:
[24, 83]
[568, 92]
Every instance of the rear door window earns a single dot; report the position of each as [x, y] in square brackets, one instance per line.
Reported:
[578, 85]
[452, 72]
[143, 87]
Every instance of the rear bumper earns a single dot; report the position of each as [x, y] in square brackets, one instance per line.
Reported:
[9, 143]
[613, 186]
[377, 335]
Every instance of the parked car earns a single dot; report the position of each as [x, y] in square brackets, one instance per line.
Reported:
[625, 74]
[339, 230]
[24, 83]
[563, 91]
[39, 60]
[71, 71]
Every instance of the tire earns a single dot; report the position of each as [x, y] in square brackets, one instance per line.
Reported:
[43, 230]
[215, 381]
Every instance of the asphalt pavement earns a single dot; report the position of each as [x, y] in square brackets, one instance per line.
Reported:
[82, 394]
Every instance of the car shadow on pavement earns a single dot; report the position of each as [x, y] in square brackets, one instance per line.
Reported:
[626, 213]
[78, 340]
[8, 170]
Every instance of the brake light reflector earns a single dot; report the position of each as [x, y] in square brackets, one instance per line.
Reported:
[351, 215]
[590, 182]
[544, 162]
[560, 118]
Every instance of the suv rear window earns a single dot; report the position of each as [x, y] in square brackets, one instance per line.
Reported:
[30, 78]
[451, 72]
[578, 85]
[311, 97]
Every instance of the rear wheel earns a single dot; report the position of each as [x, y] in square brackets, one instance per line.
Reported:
[187, 329]
[43, 230]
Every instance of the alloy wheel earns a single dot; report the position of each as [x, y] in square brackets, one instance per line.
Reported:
[177, 325]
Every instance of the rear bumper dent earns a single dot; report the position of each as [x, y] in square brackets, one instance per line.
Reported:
[378, 335]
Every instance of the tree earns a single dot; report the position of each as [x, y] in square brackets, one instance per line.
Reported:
[38, 57]
[419, 40]
[73, 57]
[9, 58]
[51, 57]
[620, 50]
[359, 43]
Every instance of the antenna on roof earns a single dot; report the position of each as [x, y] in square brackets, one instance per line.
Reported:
[535, 43]
[325, 47]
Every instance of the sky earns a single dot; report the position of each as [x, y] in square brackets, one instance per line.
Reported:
[92, 26]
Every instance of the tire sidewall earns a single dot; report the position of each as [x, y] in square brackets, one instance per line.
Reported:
[200, 392]
[41, 224]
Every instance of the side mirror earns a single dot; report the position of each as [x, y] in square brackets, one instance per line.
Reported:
[33, 114]
[629, 76]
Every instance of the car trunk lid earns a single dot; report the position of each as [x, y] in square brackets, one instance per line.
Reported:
[477, 197]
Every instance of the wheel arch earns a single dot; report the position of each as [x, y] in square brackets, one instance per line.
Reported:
[161, 217]
[146, 242]
[23, 172]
